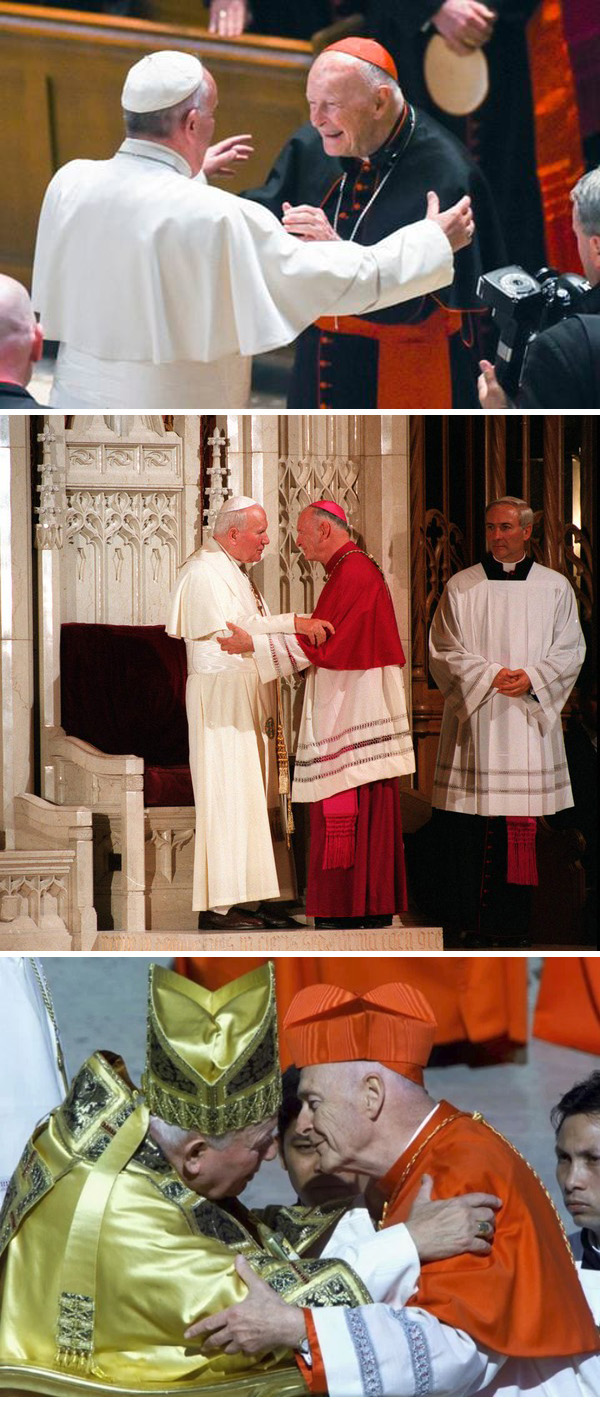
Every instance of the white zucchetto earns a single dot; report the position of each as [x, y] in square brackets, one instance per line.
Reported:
[161, 80]
[239, 504]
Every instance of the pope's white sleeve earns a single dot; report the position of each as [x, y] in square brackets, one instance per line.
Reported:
[387, 1263]
[380, 1350]
[268, 624]
[278, 656]
[410, 263]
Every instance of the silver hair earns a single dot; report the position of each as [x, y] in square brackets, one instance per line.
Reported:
[226, 519]
[173, 1138]
[586, 199]
[523, 508]
[374, 76]
[168, 119]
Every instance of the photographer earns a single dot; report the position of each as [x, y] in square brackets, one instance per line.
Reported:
[562, 365]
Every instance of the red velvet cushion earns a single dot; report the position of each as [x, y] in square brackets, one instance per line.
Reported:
[167, 785]
[123, 690]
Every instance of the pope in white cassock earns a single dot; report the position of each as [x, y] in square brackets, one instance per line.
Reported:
[239, 771]
[505, 650]
[160, 289]
[33, 1072]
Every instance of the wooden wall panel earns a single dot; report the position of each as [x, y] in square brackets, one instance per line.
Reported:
[61, 74]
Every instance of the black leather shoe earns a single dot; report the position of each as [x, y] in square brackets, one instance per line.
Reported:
[277, 920]
[331, 924]
[234, 920]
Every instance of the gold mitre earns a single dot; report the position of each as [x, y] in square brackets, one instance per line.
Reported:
[212, 1061]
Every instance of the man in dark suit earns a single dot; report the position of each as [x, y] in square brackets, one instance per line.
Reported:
[21, 342]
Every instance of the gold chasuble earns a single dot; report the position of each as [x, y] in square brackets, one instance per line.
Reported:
[107, 1256]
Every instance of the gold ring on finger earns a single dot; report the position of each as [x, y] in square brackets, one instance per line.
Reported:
[483, 1227]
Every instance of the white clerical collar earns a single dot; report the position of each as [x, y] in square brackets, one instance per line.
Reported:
[509, 566]
[155, 151]
[421, 1127]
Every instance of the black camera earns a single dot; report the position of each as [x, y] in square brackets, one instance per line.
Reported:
[523, 306]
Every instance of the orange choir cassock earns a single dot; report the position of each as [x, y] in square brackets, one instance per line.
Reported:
[525, 1300]
[479, 999]
[568, 1003]
[518, 1301]
[557, 131]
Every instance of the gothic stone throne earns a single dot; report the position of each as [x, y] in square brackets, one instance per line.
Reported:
[123, 752]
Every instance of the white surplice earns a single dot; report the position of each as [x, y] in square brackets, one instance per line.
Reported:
[589, 1277]
[159, 287]
[240, 851]
[31, 1083]
[504, 755]
[354, 726]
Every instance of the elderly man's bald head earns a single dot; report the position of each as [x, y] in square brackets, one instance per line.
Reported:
[21, 338]
[353, 104]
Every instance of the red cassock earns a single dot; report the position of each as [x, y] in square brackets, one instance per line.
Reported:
[357, 601]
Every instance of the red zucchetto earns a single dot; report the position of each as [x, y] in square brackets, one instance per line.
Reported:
[333, 508]
[392, 1024]
[366, 49]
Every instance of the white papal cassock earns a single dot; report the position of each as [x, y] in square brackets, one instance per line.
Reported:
[159, 288]
[240, 853]
[31, 1083]
[504, 755]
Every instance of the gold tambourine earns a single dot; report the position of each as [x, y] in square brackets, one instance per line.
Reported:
[457, 83]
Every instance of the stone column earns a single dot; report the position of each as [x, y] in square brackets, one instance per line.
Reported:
[16, 618]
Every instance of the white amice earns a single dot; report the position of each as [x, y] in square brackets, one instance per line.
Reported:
[31, 1083]
[159, 287]
[500, 754]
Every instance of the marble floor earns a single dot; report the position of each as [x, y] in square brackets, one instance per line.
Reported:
[101, 1002]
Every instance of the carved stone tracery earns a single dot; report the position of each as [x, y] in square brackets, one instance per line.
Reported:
[302, 481]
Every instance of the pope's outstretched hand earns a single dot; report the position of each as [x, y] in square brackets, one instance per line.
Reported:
[222, 158]
[259, 1323]
[240, 641]
[457, 223]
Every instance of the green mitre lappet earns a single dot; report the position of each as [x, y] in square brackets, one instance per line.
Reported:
[108, 1251]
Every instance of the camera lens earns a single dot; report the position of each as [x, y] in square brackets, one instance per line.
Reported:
[517, 284]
